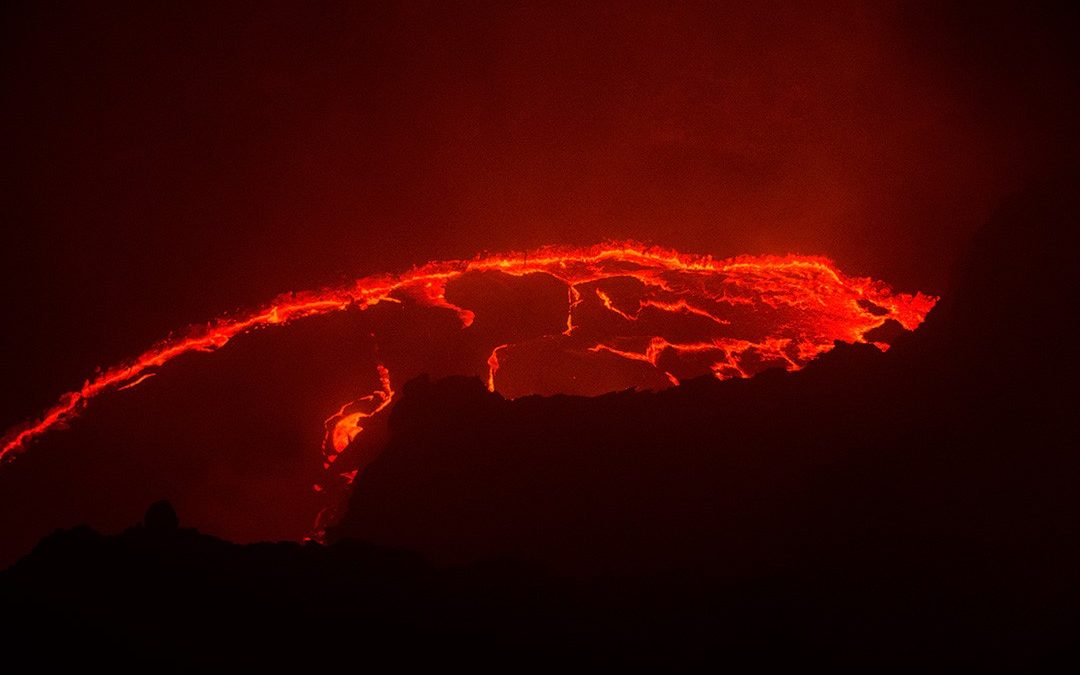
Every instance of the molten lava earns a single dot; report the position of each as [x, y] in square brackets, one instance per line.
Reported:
[662, 314]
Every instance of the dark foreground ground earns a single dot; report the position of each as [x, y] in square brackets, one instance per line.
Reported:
[913, 509]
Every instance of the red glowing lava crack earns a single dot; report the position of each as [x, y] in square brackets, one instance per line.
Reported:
[754, 312]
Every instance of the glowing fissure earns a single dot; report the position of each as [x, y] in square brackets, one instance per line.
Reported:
[813, 302]
[493, 361]
[799, 281]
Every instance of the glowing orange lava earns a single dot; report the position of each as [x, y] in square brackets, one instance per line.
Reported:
[738, 315]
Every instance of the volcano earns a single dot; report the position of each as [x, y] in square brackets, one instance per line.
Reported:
[539, 336]
[872, 508]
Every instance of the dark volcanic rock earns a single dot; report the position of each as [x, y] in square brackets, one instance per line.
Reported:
[161, 517]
